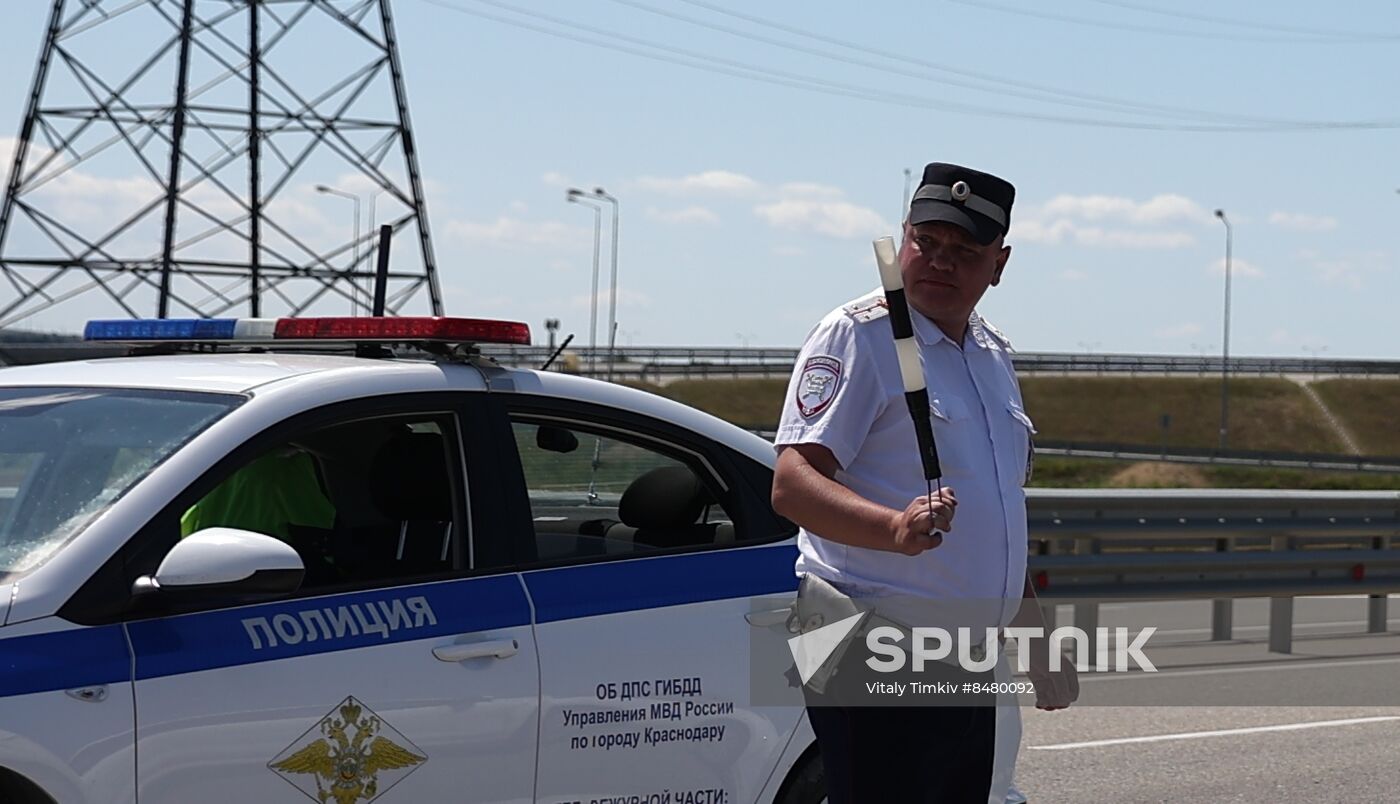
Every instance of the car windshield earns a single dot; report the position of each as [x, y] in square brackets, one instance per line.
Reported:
[68, 453]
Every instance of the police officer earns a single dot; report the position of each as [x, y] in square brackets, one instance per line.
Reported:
[849, 473]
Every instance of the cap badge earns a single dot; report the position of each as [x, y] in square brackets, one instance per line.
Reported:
[960, 191]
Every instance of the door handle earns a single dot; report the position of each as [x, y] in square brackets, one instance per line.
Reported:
[765, 619]
[461, 652]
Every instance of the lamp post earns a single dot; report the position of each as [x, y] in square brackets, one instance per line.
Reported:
[354, 244]
[1203, 350]
[551, 325]
[1225, 351]
[1316, 352]
[577, 196]
[612, 284]
[373, 230]
[908, 181]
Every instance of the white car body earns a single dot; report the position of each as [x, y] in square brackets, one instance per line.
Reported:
[621, 679]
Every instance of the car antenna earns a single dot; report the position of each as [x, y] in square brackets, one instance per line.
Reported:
[557, 352]
[381, 286]
[381, 271]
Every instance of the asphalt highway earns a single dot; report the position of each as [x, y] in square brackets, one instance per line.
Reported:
[1323, 724]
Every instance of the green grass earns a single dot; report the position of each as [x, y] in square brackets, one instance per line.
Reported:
[1087, 473]
[1265, 414]
[755, 404]
[1368, 409]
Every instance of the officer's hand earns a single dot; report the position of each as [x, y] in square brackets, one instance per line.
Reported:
[1053, 689]
[915, 531]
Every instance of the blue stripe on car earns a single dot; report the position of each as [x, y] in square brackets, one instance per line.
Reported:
[210, 640]
[567, 593]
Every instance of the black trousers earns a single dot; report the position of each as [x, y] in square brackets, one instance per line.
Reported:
[914, 749]
[906, 754]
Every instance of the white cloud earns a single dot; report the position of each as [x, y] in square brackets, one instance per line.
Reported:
[1280, 336]
[789, 251]
[1238, 268]
[691, 214]
[833, 218]
[1073, 275]
[712, 181]
[1303, 222]
[1183, 330]
[809, 189]
[1163, 208]
[507, 232]
[1111, 238]
[554, 179]
[518, 207]
[1107, 221]
[1063, 230]
[1352, 270]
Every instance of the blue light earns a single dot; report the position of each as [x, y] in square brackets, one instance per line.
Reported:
[161, 329]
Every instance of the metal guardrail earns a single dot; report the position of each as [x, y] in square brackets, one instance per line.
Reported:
[1215, 544]
[1191, 455]
[656, 362]
[1204, 455]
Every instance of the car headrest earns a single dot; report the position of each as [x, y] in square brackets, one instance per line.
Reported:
[666, 497]
[409, 478]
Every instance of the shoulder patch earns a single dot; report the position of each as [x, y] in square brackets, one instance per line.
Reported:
[868, 309]
[994, 333]
[816, 388]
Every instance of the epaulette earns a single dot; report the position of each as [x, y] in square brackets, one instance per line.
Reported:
[980, 323]
[868, 309]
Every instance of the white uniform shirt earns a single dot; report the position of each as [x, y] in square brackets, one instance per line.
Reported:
[846, 394]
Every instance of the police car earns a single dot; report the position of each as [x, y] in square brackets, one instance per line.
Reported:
[278, 562]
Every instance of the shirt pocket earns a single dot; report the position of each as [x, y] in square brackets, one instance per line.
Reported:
[947, 407]
[1022, 442]
[950, 431]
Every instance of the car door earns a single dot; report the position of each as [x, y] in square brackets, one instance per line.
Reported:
[400, 672]
[651, 545]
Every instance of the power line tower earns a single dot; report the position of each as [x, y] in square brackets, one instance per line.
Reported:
[181, 158]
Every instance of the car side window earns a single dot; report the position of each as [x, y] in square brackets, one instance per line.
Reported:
[369, 501]
[601, 494]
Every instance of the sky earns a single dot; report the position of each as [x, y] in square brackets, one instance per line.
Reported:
[757, 148]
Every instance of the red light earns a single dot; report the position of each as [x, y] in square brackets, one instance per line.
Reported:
[1358, 572]
[1042, 581]
[421, 328]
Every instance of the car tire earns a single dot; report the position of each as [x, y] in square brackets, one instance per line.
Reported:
[806, 784]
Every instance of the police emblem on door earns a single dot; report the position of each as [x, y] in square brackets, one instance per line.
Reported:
[350, 757]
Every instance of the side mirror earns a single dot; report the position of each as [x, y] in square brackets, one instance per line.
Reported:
[227, 560]
[555, 439]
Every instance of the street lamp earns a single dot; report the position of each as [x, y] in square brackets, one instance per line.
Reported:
[354, 244]
[1225, 361]
[373, 230]
[1315, 351]
[1089, 349]
[908, 181]
[612, 284]
[577, 196]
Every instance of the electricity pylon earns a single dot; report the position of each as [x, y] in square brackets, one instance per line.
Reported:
[171, 150]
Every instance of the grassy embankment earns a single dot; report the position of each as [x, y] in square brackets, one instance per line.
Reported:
[1368, 409]
[1265, 414]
